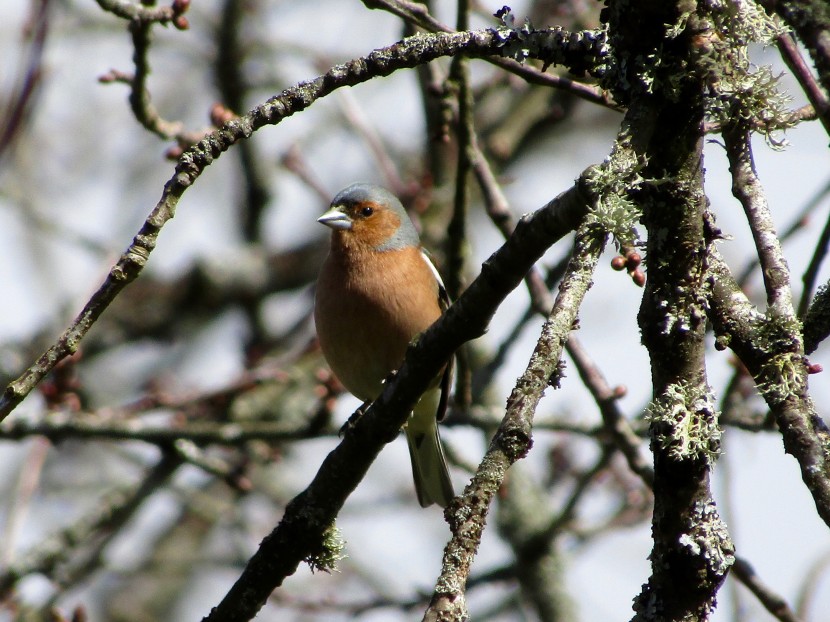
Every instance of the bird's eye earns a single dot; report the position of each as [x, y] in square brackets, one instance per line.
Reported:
[366, 212]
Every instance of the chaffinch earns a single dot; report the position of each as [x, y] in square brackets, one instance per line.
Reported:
[377, 290]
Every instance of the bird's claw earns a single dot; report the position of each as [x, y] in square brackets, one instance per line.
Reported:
[353, 419]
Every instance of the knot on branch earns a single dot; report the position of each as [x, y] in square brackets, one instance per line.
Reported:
[515, 441]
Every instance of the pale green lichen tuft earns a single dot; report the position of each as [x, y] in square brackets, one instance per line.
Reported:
[613, 211]
[744, 22]
[777, 333]
[753, 96]
[331, 551]
[782, 377]
[684, 422]
[740, 90]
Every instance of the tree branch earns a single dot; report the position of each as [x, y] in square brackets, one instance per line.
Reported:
[770, 348]
[748, 190]
[773, 602]
[692, 551]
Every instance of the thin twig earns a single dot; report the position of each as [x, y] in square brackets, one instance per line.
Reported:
[811, 586]
[19, 106]
[139, 12]
[820, 252]
[28, 481]
[815, 94]
[457, 242]
[140, 101]
[624, 437]
[773, 602]
[388, 169]
[233, 87]
[748, 190]
[294, 162]
[59, 427]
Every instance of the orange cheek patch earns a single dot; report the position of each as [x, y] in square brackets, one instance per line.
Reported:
[376, 229]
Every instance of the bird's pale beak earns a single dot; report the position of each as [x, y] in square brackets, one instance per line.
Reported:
[335, 219]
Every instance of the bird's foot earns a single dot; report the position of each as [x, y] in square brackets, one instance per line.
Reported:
[353, 418]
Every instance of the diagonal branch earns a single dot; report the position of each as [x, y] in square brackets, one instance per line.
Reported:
[810, 19]
[770, 349]
[553, 45]
[817, 97]
[299, 536]
[772, 601]
[467, 515]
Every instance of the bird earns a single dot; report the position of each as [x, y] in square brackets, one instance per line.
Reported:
[376, 291]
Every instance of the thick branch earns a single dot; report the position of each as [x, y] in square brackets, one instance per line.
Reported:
[418, 15]
[692, 551]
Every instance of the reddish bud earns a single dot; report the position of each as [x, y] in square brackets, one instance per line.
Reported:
[618, 263]
[174, 153]
[72, 402]
[244, 484]
[814, 368]
[181, 22]
[638, 277]
[219, 115]
[633, 260]
[620, 391]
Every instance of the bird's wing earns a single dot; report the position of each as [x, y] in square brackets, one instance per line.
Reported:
[447, 376]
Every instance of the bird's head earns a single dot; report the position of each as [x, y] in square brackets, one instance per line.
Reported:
[371, 217]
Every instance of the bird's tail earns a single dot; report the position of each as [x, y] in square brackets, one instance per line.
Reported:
[429, 467]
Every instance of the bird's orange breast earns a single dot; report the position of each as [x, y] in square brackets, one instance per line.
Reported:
[367, 310]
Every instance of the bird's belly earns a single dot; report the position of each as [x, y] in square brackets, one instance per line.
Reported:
[366, 318]
[364, 350]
